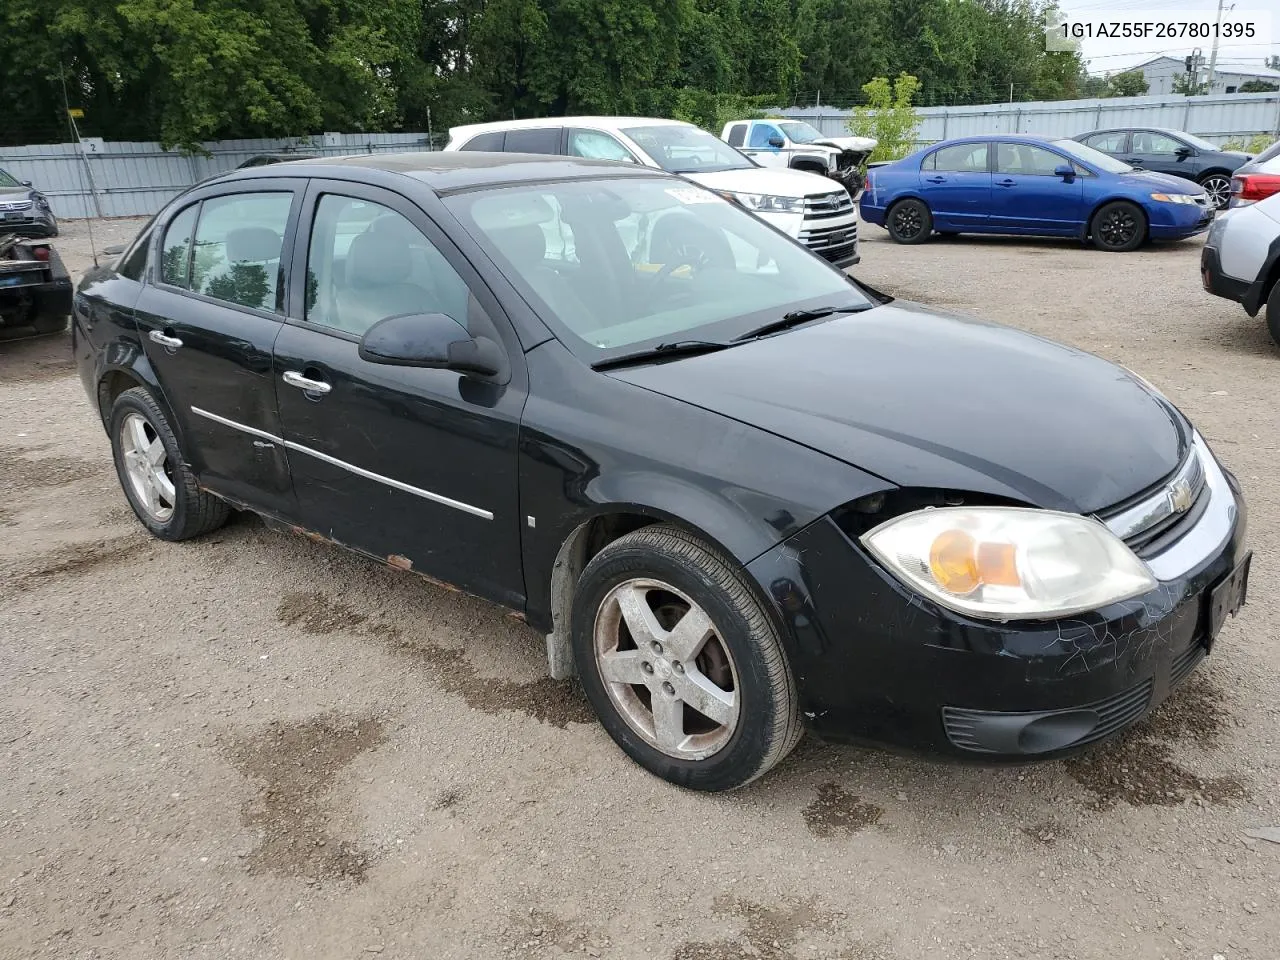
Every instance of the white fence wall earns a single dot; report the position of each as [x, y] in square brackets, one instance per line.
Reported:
[1217, 118]
[137, 179]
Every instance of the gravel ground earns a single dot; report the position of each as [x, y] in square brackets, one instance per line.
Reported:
[257, 746]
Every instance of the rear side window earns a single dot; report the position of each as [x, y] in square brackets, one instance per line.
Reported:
[237, 248]
[175, 252]
[134, 261]
[962, 158]
[737, 133]
[1107, 142]
[545, 140]
[490, 142]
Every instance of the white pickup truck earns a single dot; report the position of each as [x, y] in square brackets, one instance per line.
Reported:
[798, 145]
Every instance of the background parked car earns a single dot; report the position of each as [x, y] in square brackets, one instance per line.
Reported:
[35, 289]
[1033, 186]
[804, 206]
[1257, 179]
[24, 209]
[263, 159]
[793, 143]
[1172, 151]
[1241, 259]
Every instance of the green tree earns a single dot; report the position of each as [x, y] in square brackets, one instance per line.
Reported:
[1129, 84]
[888, 115]
[1258, 86]
[1186, 83]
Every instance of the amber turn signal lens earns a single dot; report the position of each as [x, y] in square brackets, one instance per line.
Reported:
[960, 564]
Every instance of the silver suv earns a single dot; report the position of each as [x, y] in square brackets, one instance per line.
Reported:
[1241, 259]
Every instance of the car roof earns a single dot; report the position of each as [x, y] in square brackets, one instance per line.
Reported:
[445, 172]
[1169, 130]
[994, 137]
[599, 123]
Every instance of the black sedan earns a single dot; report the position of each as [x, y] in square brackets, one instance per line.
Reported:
[24, 210]
[1172, 151]
[741, 493]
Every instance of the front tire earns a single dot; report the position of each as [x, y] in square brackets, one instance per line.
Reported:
[1218, 186]
[1273, 312]
[154, 475]
[1118, 227]
[681, 663]
[909, 221]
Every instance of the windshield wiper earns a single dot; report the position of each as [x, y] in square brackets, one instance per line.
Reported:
[676, 348]
[796, 317]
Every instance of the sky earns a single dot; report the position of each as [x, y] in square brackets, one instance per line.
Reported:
[1109, 55]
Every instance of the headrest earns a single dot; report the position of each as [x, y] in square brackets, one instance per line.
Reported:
[525, 247]
[507, 209]
[252, 245]
[377, 258]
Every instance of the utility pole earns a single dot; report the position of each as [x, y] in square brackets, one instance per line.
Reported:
[1213, 54]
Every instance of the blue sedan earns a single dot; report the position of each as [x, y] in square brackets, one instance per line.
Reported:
[1033, 186]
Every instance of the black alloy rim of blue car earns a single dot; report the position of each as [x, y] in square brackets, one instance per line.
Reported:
[1117, 227]
[907, 222]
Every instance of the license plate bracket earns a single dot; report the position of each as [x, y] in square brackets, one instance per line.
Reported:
[1226, 598]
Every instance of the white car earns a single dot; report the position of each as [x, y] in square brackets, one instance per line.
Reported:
[1241, 259]
[805, 206]
[1257, 179]
[797, 145]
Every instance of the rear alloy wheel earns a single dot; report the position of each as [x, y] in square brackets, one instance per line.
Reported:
[157, 482]
[1118, 226]
[910, 221]
[681, 663]
[1218, 187]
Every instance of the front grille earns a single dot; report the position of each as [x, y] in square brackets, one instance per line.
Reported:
[15, 205]
[833, 243]
[828, 205]
[1114, 713]
[1152, 521]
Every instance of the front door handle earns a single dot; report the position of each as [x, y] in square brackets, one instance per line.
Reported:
[306, 384]
[1006, 183]
[936, 179]
[169, 343]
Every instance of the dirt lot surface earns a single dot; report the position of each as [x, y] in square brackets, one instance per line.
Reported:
[257, 746]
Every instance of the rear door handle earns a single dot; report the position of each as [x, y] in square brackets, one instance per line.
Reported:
[306, 384]
[1006, 183]
[937, 179]
[169, 343]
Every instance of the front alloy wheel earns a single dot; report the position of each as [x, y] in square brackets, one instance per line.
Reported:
[1218, 187]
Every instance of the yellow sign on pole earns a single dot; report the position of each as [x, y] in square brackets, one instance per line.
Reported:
[76, 113]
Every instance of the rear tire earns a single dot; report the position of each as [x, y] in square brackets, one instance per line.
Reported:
[909, 221]
[154, 475]
[699, 691]
[1118, 227]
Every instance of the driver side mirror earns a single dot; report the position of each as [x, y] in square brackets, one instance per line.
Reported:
[1065, 171]
[777, 141]
[431, 340]
[26, 183]
[1183, 152]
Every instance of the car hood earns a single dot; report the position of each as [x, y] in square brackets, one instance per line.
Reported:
[15, 193]
[857, 144]
[781, 183]
[925, 399]
[1165, 182]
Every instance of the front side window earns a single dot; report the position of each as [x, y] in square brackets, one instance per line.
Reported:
[761, 133]
[1024, 159]
[175, 251]
[684, 148]
[594, 145]
[8, 180]
[366, 262]
[238, 243]
[962, 158]
[654, 260]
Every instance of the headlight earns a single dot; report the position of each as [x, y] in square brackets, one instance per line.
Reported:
[1009, 563]
[764, 203]
[1175, 197]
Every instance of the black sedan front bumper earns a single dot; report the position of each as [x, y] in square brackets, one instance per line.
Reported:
[876, 663]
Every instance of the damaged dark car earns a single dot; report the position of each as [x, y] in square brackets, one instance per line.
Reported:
[740, 493]
[35, 288]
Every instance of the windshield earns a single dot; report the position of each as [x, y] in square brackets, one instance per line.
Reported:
[1197, 142]
[678, 148]
[800, 132]
[8, 181]
[1095, 158]
[621, 264]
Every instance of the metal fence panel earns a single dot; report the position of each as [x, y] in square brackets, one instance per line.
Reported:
[1217, 118]
[136, 179]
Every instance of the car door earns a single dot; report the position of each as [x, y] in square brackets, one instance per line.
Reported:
[1162, 153]
[1026, 194]
[761, 150]
[415, 466]
[955, 181]
[208, 322]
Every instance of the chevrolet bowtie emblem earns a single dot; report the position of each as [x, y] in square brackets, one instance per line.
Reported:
[1180, 496]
